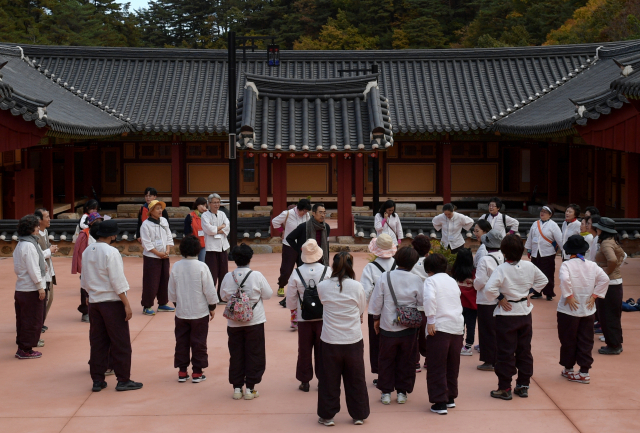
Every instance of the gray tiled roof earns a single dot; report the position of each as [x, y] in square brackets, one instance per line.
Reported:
[629, 83]
[318, 115]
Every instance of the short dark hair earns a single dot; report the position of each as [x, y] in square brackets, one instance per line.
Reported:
[316, 206]
[90, 205]
[27, 225]
[512, 248]
[190, 246]
[586, 219]
[448, 207]
[422, 245]
[484, 225]
[595, 218]
[497, 201]
[386, 205]
[435, 263]
[406, 257]
[242, 254]
[198, 202]
[151, 191]
[304, 204]
[39, 213]
[592, 210]
[576, 209]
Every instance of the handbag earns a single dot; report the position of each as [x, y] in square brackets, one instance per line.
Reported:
[310, 305]
[239, 306]
[409, 317]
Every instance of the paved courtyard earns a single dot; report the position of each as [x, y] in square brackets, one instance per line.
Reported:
[53, 394]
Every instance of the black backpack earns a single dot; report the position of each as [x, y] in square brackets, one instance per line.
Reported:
[310, 304]
[504, 221]
[377, 265]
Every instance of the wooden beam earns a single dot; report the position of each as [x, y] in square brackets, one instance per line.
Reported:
[359, 180]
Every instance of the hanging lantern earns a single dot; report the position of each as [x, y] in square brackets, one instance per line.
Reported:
[306, 155]
[264, 155]
[250, 155]
[292, 155]
[359, 155]
[273, 55]
[333, 155]
[319, 155]
[278, 155]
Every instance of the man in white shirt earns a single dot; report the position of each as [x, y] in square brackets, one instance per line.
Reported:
[109, 310]
[216, 228]
[451, 224]
[287, 222]
[47, 250]
[503, 223]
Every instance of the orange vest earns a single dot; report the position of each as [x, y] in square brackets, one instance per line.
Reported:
[196, 226]
[145, 212]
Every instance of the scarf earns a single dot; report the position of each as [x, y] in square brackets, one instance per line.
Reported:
[312, 226]
[33, 239]
[153, 220]
[198, 214]
[584, 234]
[578, 256]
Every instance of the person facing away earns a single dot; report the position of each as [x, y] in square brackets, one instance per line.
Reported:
[422, 245]
[83, 240]
[464, 273]
[150, 194]
[314, 228]
[388, 222]
[451, 224]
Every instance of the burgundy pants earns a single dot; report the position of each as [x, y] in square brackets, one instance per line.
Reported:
[443, 366]
[397, 367]
[610, 315]
[109, 337]
[289, 259]
[191, 335]
[374, 345]
[83, 308]
[513, 334]
[487, 333]
[346, 362]
[247, 355]
[218, 262]
[576, 341]
[470, 315]
[29, 318]
[308, 342]
[548, 267]
[155, 281]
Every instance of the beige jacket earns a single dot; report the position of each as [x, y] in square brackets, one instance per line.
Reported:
[610, 251]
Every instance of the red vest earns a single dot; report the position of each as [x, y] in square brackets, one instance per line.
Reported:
[196, 226]
[144, 212]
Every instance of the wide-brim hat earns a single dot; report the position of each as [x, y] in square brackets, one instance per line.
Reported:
[311, 252]
[157, 202]
[108, 228]
[383, 247]
[492, 239]
[606, 225]
[575, 245]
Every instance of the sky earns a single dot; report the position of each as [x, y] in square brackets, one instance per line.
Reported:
[135, 4]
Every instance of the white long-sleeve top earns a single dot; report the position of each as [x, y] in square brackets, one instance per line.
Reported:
[342, 310]
[588, 238]
[408, 290]
[47, 257]
[26, 265]
[257, 289]
[103, 273]
[537, 244]
[593, 249]
[497, 223]
[418, 269]
[191, 288]
[391, 225]
[569, 229]
[156, 236]
[452, 228]
[581, 280]
[371, 274]
[210, 223]
[295, 288]
[293, 220]
[513, 280]
[480, 253]
[485, 268]
[442, 305]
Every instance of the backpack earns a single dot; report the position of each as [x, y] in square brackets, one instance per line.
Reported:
[377, 265]
[239, 307]
[409, 317]
[504, 221]
[310, 304]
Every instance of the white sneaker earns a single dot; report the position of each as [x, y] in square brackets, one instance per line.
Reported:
[237, 393]
[385, 398]
[250, 394]
[327, 422]
[358, 421]
[602, 339]
[402, 398]
[466, 351]
[40, 343]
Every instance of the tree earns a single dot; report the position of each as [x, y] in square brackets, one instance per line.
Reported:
[337, 34]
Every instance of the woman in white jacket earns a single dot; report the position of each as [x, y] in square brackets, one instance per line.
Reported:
[387, 221]
[451, 224]
[570, 226]
[542, 244]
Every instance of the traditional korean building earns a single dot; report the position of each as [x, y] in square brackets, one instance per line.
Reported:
[560, 122]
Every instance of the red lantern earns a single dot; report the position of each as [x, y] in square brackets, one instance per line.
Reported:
[292, 155]
[306, 155]
[264, 155]
[333, 155]
[250, 154]
[346, 156]
[359, 155]
[278, 155]
[319, 155]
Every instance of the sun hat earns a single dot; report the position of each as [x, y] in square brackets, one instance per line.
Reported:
[575, 245]
[311, 252]
[107, 228]
[155, 202]
[492, 239]
[383, 247]
[606, 225]
[93, 217]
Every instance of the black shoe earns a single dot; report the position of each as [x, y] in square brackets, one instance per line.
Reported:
[439, 408]
[487, 366]
[549, 298]
[128, 386]
[606, 350]
[521, 391]
[375, 382]
[304, 386]
[283, 303]
[98, 385]
[44, 329]
[451, 403]
[536, 295]
[503, 394]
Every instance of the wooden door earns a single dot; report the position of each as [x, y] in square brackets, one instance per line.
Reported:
[249, 174]
[111, 170]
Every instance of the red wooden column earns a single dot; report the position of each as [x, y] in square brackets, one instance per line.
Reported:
[279, 186]
[69, 177]
[445, 171]
[177, 159]
[345, 191]
[552, 169]
[46, 162]
[359, 179]
[632, 182]
[575, 177]
[599, 180]
[264, 179]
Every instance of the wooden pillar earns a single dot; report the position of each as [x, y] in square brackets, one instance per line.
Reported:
[264, 179]
[552, 170]
[445, 171]
[359, 179]
[345, 191]
[632, 183]
[69, 177]
[575, 177]
[177, 157]
[46, 162]
[599, 180]
[279, 185]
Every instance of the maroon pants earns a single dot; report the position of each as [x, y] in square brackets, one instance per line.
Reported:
[576, 341]
[513, 334]
[47, 301]
[289, 259]
[397, 368]
[374, 345]
[247, 355]
[487, 333]
[83, 308]
[308, 342]
[218, 262]
[548, 267]
[443, 366]
[109, 337]
[29, 318]
[155, 281]
[346, 362]
[610, 315]
[191, 335]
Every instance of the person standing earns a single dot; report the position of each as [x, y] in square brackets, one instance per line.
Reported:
[591, 211]
[388, 222]
[157, 242]
[47, 250]
[309, 275]
[481, 228]
[581, 283]
[216, 227]
[246, 342]
[109, 310]
[610, 257]
[89, 207]
[397, 342]
[464, 273]
[542, 246]
[287, 222]
[585, 232]
[570, 226]
[192, 291]
[510, 283]
[451, 224]
[193, 224]
[150, 194]
[594, 247]
[499, 221]
[344, 303]
[422, 245]
[314, 228]
[83, 240]
[31, 270]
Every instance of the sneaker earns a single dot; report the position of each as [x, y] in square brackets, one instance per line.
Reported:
[294, 326]
[536, 296]
[183, 376]
[418, 368]
[166, 309]
[109, 372]
[283, 303]
[250, 394]
[40, 343]
[385, 398]
[606, 350]
[477, 347]
[486, 367]
[281, 292]
[425, 364]
[148, 312]
[603, 339]
[549, 298]
[44, 329]
[358, 421]
[579, 377]
[402, 398]
[375, 382]
[566, 373]
[439, 408]
[466, 351]
[521, 391]
[128, 386]
[32, 354]
[503, 394]
[237, 393]
[304, 386]
[597, 330]
[451, 404]
[198, 377]
[85, 318]
[98, 385]
[327, 422]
